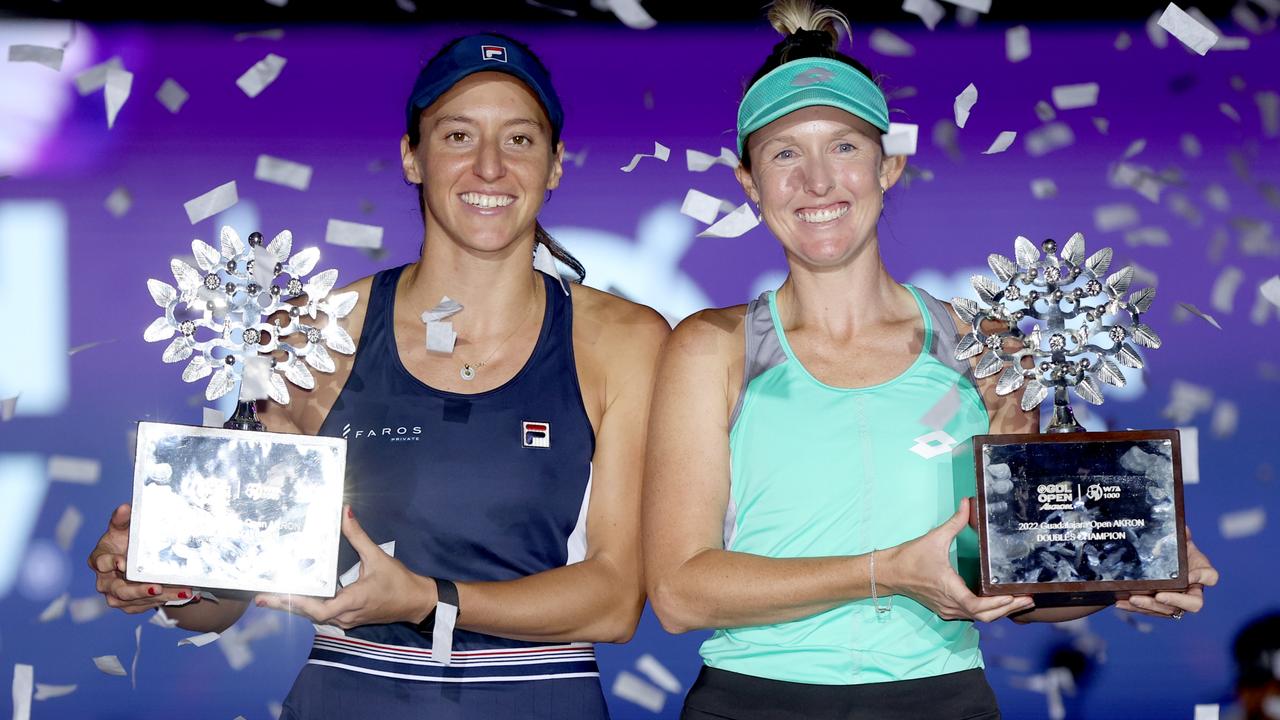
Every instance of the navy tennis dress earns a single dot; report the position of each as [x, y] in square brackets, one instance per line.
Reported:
[485, 486]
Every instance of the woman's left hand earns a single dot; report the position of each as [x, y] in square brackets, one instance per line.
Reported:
[1200, 574]
[386, 592]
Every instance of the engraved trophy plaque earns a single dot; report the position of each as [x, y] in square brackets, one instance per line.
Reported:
[1068, 516]
[236, 507]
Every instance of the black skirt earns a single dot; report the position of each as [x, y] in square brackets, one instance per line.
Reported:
[724, 695]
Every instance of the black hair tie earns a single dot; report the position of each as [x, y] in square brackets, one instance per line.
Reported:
[809, 39]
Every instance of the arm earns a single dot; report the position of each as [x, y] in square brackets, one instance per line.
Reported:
[693, 581]
[596, 600]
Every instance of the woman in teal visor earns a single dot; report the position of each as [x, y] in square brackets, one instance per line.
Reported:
[796, 502]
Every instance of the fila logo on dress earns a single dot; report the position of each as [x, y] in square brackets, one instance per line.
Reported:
[933, 444]
[493, 52]
[535, 434]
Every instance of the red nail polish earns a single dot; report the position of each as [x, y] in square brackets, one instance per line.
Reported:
[183, 595]
[152, 591]
[351, 513]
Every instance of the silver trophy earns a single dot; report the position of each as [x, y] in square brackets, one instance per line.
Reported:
[1069, 516]
[237, 507]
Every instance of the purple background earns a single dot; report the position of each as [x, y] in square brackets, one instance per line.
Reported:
[338, 107]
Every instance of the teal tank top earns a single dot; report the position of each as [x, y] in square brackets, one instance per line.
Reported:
[820, 471]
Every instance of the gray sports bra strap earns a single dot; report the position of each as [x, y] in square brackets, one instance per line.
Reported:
[763, 350]
[945, 336]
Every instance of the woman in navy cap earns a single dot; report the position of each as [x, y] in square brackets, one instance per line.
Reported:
[505, 470]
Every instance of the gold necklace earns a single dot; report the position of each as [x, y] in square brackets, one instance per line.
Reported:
[468, 371]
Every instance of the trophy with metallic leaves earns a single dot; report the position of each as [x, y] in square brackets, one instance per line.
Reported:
[1069, 516]
[238, 507]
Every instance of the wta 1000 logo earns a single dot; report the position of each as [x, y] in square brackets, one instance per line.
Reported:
[401, 433]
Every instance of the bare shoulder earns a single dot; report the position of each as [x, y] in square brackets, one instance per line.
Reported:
[613, 324]
[710, 333]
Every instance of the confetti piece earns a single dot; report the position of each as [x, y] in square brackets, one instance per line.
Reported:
[736, 223]
[119, 201]
[110, 664]
[658, 673]
[1135, 148]
[353, 573]
[1044, 188]
[901, 139]
[87, 609]
[407, 5]
[630, 13]
[255, 380]
[119, 84]
[1150, 235]
[1114, 216]
[1001, 143]
[1226, 418]
[964, 103]
[929, 11]
[1206, 712]
[172, 95]
[353, 234]
[282, 172]
[577, 158]
[1217, 197]
[199, 640]
[1195, 36]
[88, 346]
[55, 609]
[137, 652]
[701, 162]
[23, 677]
[263, 73]
[95, 77]
[211, 417]
[48, 692]
[1123, 41]
[1189, 443]
[1156, 34]
[161, 619]
[8, 408]
[276, 709]
[886, 43]
[701, 207]
[981, 6]
[633, 688]
[660, 152]
[563, 11]
[1270, 290]
[1045, 111]
[69, 523]
[1268, 103]
[1048, 138]
[272, 34]
[1070, 97]
[329, 630]
[1200, 314]
[1242, 523]
[64, 468]
[1230, 112]
[440, 335]
[46, 56]
[1186, 400]
[1017, 44]
[212, 202]
[944, 136]
[1224, 289]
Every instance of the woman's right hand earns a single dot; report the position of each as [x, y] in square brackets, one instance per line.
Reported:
[921, 570]
[108, 562]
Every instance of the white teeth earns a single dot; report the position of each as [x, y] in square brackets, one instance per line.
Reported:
[821, 216]
[487, 201]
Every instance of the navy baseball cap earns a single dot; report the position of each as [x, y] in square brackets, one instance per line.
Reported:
[483, 53]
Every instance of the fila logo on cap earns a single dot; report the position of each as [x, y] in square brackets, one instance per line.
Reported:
[535, 434]
[493, 52]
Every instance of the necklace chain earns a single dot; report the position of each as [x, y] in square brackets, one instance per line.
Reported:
[468, 371]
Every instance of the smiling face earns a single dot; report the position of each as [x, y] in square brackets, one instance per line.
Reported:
[485, 162]
[818, 175]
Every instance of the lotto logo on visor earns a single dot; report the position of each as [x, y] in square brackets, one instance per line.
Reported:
[535, 434]
[812, 76]
[493, 52]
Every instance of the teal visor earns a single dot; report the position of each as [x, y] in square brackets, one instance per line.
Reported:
[805, 83]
